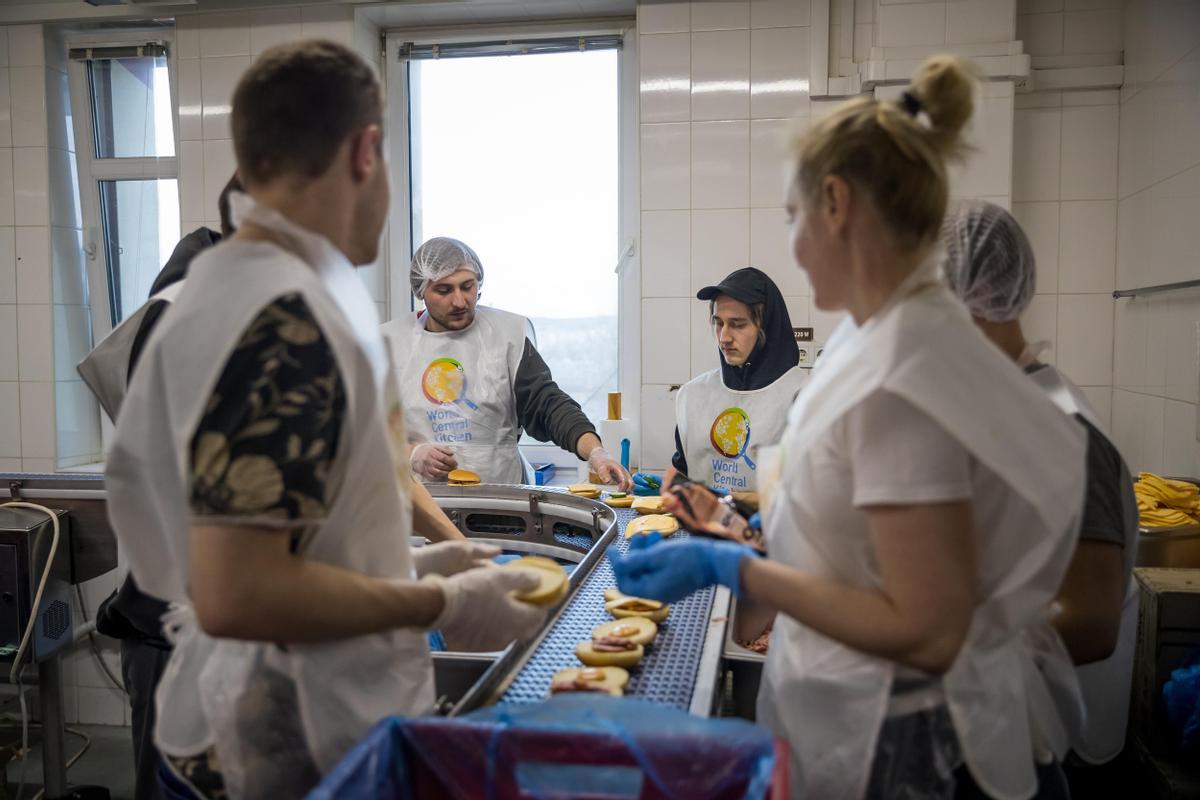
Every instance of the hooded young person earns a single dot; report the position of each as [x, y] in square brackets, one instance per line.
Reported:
[721, 415]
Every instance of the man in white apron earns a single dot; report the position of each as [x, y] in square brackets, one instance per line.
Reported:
[471, 380]
[258, 481]
[722, 416]
[990, 265]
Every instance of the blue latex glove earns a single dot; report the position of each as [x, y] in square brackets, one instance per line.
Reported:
[646, 484]
[670, 571]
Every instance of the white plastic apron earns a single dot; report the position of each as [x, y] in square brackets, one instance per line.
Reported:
[457, 389]
[720, 427]
[226, 693]
[105, 370]
[1105, 684]
[829, 700]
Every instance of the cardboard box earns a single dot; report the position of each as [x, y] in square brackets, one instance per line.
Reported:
[1168, 630]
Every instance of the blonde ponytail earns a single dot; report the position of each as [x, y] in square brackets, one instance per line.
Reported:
[895, 151]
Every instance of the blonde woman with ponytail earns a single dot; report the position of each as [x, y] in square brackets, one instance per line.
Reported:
[927, 497]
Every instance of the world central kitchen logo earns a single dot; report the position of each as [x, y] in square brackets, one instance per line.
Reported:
[730, 436]
[444, 384]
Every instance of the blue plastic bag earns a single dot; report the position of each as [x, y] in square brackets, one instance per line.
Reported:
[1181, 697]
[571, 746]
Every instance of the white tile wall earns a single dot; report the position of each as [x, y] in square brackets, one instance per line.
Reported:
[1085, 336]
[37, 419]
[35, 358]
[33, 265]
[1089, 246]
[977, 21]
[1036, 159]
[270, 27]
[191, 99]
[664, 17]
[666, 252]
[25, 46]
[666, 165]
[721, 75]
[704, 347]
[779, 63]
[1042, 34]
[31, 185]
[721, 164]
[9, 344]
[771, 251]
[719, 15]
[658, 425]
[768, 161]
[8, 265]
[1157, 347]
[665, 354]
[218, 77]
[665, 61]
[781, 13]
[225, 35]
[1092, 31]
[1089, 140]
[8, 213]
[720, 244]
[909, 24]
[219, 166]
[28, 94]
[10, 423]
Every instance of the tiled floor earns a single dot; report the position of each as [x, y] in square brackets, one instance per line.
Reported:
[108, 761]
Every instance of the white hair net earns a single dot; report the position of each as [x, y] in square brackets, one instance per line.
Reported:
[989, 262]
[439, 257]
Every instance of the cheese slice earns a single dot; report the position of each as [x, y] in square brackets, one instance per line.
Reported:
[626, 607]
[648, 505]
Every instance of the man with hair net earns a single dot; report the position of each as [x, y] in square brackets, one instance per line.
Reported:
[471, 379]
[990, 266]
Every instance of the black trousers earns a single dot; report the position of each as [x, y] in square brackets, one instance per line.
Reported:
[142, 665]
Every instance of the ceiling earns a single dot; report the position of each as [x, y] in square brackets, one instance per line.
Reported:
[399, 13]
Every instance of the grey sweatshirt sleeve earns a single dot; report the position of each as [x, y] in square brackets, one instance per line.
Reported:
[546, 412]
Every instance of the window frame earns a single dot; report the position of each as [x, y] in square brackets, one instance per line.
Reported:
[92, 170]
[626, 257]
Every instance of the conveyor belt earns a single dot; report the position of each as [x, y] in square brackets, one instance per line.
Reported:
[668, 672]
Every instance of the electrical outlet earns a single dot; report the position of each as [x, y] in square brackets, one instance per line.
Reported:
[810, 352]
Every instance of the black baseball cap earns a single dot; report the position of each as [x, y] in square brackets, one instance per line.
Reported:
[748, 285]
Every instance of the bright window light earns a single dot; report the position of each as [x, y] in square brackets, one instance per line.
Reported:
[518, 157]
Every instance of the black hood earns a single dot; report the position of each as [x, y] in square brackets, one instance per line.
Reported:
[778, 352]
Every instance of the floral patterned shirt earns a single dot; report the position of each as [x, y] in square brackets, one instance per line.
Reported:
[262, 452]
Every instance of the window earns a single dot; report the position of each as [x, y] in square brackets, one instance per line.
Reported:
[129, 185]
[517, 155]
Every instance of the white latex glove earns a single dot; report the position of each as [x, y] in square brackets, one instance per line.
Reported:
[432, 461]
[609, 469]
[451, 558]
[481, 614]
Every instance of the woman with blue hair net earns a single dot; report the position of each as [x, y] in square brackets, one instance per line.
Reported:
[990, 266]
[471, 379]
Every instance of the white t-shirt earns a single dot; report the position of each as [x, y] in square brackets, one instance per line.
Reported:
[885, 451]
